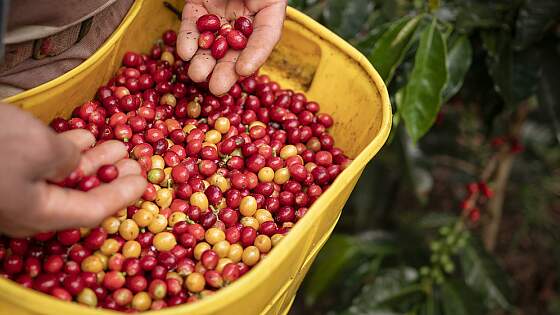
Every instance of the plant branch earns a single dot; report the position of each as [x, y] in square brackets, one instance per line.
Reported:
[504, 161]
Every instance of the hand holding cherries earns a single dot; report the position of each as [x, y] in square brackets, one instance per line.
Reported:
[220, 37]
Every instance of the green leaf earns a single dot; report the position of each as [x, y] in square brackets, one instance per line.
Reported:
[484, 275]
[535, 17]
[422, 94]
[469, 15]
[515, 74]
[391, 290]
[431, 306]
[346, 253]
[347, 18]
[377, 243]
[459, 299]
[459, 58]
[337, 253]
[390, 49]
[548, 93]
[298, 4]
[366, 43]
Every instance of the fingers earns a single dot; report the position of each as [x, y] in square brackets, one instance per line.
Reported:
[66, 149]
[267, 24]
[234, 9]
[187, 38]
[201, 66]
[66, 208]
[128, 167]
[224, 75]
[106, 153]
[82, 138]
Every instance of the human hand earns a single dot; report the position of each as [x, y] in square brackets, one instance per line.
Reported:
[268, 18]
[31, 154]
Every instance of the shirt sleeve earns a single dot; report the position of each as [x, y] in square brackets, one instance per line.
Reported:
[4, 8]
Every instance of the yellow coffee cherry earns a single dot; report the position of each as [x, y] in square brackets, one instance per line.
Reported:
[87, 297]
[235, 252]
[200, 248]
[121, 215]
[168, 99]
[220, 182]
[157, 162]
[92, 264]
[111, 225]
[251, 256]
[141, 301]
[222, 263]
[281, 176]
[213, 136]
[200, 200]
[195, 282]
[221, 248]
[164, 197]
[250, 222]
[214, 235]
[174, 275]
[158, 224]
[164, 241]
[177, 217]
[143, 217]
[222, 125]
[188, 128]
[110, 246]
[266, 174]
[263, 243]
[151, 207]
[288, 151]
[104, 259]
[263, 215]
[167, 181]
[248, 206]
[257, 123]
[309, 166]
[129, 229]
[131, 249]
[167, 56]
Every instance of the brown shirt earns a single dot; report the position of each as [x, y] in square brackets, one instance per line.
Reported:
[35, 19]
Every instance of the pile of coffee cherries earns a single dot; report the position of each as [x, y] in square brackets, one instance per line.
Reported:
[229, 176]
[220, 37]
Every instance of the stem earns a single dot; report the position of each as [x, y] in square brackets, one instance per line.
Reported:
[173, 9]
[496, 203]
[504, 162]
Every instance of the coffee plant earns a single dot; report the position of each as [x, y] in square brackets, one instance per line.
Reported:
[459, 212]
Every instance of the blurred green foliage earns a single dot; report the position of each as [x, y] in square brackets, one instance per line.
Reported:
[457, 71]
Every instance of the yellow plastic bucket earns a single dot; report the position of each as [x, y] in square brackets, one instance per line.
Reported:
[309, 58]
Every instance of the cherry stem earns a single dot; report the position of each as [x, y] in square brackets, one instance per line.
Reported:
[173, 9]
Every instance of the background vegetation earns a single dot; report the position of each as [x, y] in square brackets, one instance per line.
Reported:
[459, 213]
